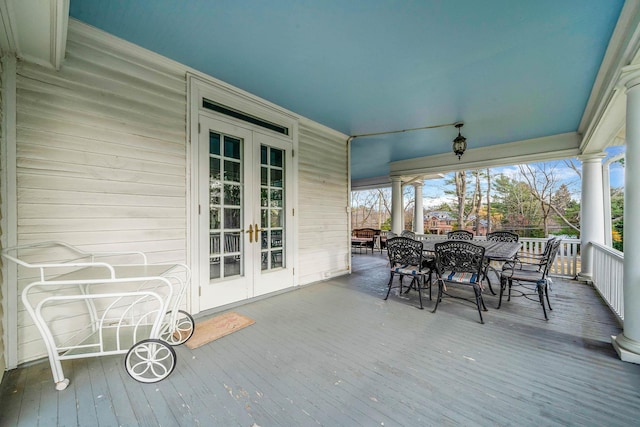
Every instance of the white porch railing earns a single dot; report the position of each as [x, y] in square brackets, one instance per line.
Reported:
[607, 277]
[567, 262]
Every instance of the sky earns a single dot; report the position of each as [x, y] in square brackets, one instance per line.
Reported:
[433, 190]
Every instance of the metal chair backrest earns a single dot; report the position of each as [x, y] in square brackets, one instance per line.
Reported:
[459, 257]
[391, 235]
[460, 235]
[551, 256]
[409, 234]
[404, 251]
[502, 236]
[548, 246]
[542, 260]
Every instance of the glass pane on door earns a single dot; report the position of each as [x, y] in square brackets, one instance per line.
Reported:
[226, 252]
[272, 209]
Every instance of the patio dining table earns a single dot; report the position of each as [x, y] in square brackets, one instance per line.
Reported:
[496, 251]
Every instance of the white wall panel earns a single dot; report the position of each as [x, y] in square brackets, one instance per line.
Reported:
[101, 157]
[3, 364]
[322, 185]
[102, 163]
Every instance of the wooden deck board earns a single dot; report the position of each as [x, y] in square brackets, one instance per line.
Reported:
[334, 353]
[12, 391]
[86, 402]
[118, 398]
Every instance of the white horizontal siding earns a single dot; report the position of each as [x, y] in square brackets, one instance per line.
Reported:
[102, 164]
[323, 221]
[101, 159]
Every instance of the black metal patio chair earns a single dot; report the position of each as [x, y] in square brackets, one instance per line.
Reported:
[406, 259]
[460, 235]
[497, 236]
[460, 263]
[531, 276]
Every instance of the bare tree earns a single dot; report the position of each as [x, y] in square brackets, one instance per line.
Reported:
[372, 208]
[542, 181]
[544, 185]
[574, 167]
[476, 200]
[363, 206]
[460, 179]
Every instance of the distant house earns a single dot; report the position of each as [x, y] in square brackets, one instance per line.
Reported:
[438, 222]
[442, 222]
[482, 228]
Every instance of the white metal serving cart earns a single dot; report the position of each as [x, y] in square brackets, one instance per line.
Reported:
[87, 304]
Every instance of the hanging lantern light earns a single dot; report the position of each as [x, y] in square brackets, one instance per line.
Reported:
[460, 143]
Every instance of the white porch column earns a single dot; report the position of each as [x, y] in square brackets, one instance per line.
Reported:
[397, 212]
[627, 344]
[592, 211]
[418, 211]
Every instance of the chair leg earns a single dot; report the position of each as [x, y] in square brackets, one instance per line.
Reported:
[479, 301]
[440, 284]
[509, 295]
[408, 287]
[541, 287]
[417, 280]
[503, 285]
[389, 290]
[484, 307]
[485, 273]
[546, 294]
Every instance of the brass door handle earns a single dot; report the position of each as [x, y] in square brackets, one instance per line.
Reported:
[257, 231]
[250, 231]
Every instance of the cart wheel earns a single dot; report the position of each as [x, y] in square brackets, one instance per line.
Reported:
[150, 361]
[61, 385]
[181, 331]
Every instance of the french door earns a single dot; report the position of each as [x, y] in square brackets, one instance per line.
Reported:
[245, 213]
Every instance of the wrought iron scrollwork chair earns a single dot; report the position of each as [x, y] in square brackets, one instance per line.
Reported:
[428, 262]
[460, 235]
[460, 263]
[497, 236]
[532, 276]
[405, 259]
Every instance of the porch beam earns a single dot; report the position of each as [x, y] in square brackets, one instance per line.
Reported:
[554, 147]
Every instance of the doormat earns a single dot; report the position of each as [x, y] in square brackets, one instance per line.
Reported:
[217, 327]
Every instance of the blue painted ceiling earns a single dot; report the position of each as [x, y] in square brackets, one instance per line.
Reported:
[511, 70]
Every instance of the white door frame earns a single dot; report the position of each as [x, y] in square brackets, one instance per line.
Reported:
[199, 87]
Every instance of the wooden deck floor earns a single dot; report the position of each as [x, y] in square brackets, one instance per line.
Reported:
[334, 353]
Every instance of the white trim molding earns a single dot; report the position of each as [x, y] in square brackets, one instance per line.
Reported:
[560, 146]
[9, 210]
[8, 29]
[35, 30]
[604, 116]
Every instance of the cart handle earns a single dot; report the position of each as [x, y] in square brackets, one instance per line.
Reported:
[11, 253]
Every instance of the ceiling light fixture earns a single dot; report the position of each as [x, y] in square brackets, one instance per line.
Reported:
[460, 143]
